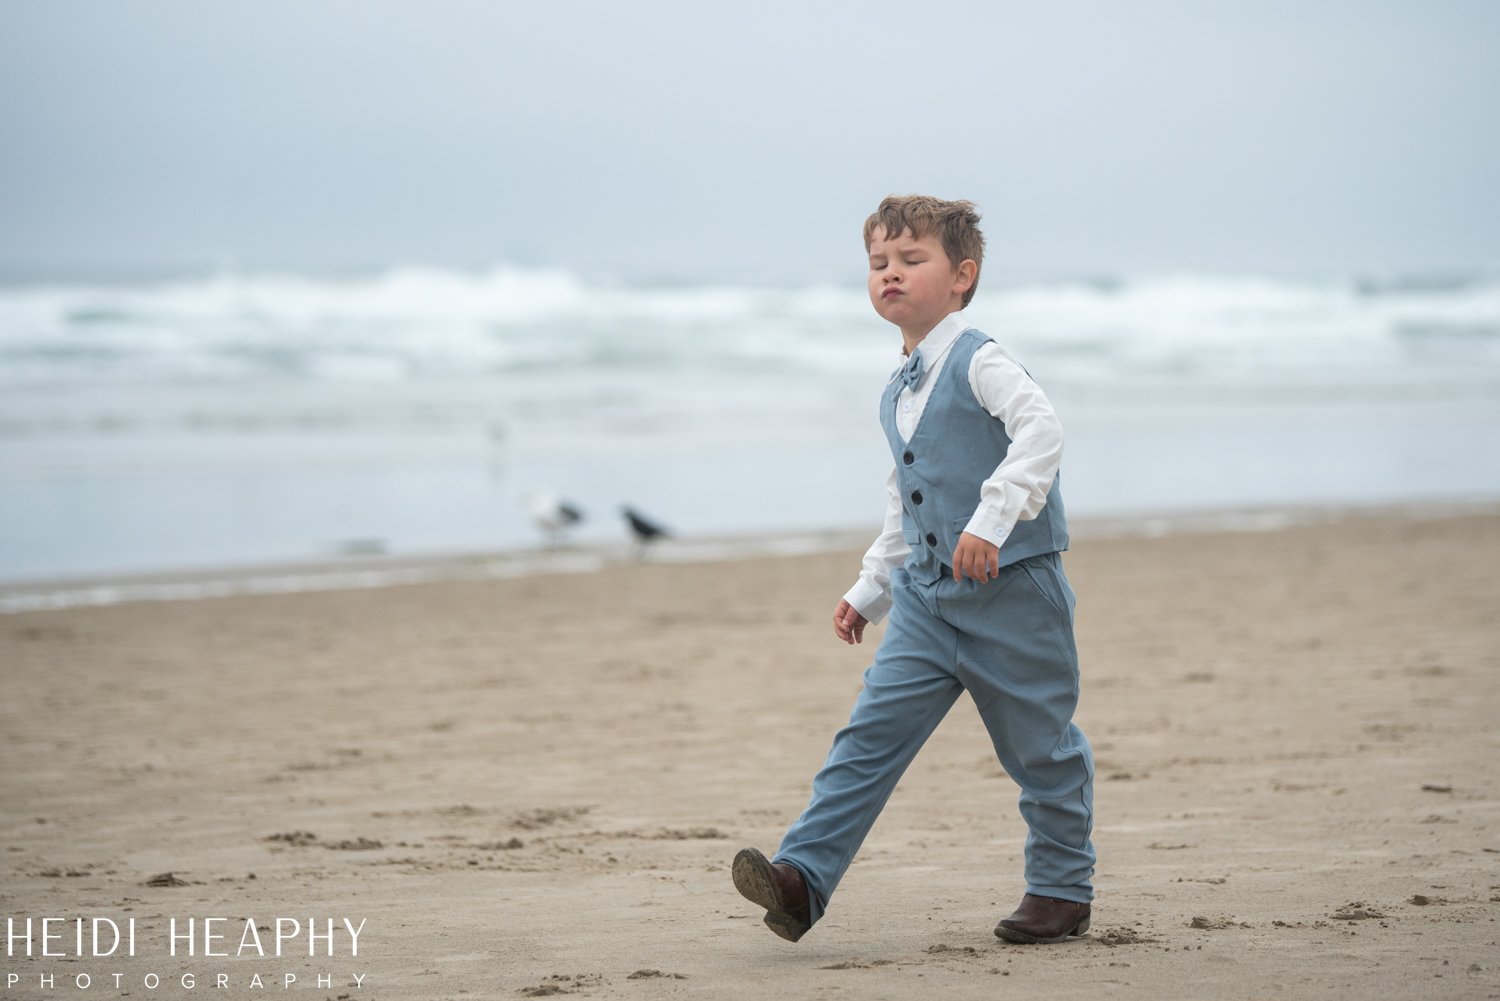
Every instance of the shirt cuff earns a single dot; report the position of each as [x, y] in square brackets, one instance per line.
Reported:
[869, 600]
[991, 525]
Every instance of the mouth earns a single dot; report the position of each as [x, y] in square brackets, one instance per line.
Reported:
[891, 293]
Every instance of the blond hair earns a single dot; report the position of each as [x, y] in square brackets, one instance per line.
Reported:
[955, 223]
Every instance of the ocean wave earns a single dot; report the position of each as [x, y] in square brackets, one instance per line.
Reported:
[411, 324]
[244, 418]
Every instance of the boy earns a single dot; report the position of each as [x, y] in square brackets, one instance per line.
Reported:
[968, 568]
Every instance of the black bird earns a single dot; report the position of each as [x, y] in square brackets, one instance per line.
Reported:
[645, 530]
[553, 515]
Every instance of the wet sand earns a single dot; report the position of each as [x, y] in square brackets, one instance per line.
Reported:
[535, 786]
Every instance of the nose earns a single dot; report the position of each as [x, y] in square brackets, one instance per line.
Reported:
[892, 275]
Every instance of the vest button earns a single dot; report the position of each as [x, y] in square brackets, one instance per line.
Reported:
[931, 539]
[916, 496]
[908, 458]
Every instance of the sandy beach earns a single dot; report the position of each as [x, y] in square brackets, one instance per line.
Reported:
[534, 787]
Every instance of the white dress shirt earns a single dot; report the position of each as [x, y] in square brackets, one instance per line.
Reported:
[1016, 491]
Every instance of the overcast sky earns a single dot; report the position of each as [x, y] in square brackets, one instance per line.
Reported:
[745, 142]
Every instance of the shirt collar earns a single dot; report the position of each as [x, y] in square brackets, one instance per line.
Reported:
[942, 336]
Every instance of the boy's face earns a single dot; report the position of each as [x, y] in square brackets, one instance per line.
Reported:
[912, 282]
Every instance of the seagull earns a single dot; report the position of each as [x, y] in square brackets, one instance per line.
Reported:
[645, 530]
[552, 515]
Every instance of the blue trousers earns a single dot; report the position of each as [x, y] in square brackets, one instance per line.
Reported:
[1009, 643]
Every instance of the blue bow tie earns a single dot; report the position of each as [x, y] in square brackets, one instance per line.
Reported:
[911, 373]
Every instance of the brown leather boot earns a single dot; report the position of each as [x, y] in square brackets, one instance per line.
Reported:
[777, 887]
[1043, 920]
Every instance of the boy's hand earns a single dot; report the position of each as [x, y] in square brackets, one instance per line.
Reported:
[975, 558]
[848, 624]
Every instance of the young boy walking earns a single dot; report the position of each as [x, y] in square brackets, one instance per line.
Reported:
[968, 569]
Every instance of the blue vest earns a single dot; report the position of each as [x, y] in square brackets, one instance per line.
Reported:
[956, 447]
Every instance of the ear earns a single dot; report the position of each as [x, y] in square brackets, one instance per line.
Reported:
[964, 275]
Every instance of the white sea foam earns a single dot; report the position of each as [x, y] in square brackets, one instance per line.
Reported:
[410, 323]
[245, 417]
